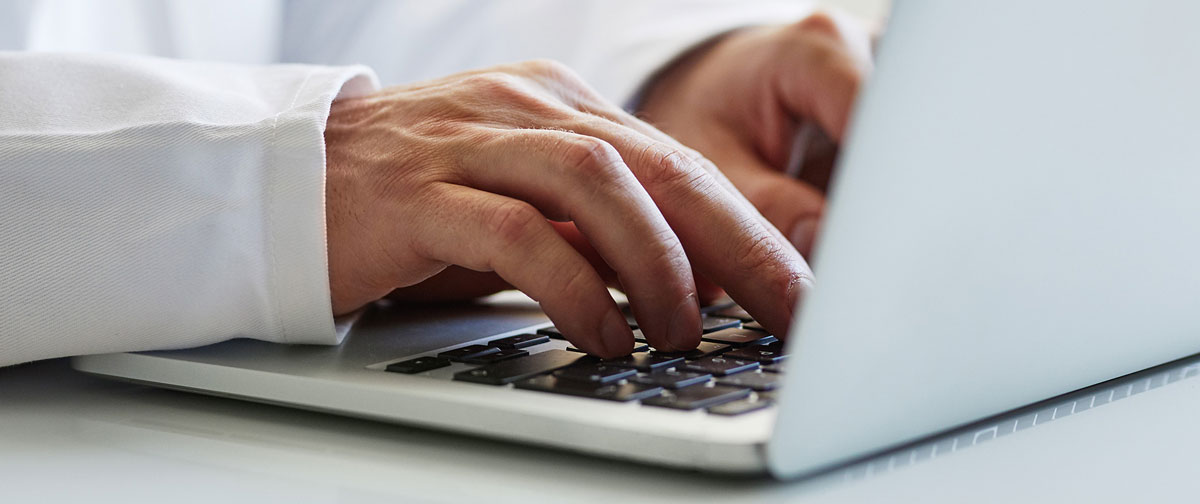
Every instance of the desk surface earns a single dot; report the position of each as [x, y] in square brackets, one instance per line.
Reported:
[69, 436]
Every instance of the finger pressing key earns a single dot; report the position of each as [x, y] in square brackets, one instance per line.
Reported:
[513, 239]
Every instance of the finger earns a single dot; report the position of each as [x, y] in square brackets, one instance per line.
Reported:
[489, 232]
[792, 206]
[583, 179]
[788, 210]
[726, 238]
[820, 71]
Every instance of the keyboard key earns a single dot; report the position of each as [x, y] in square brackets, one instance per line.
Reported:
[697, 397]
[593, 372]
[720, 365]
[734, 311]
[672, 379]
[636, 349]
[552, 332]
[418, 365]
[520, 341]
[754, 326]
[503, 355]
[709, 323]
[754, 381]
[612, 392]
[739, 337]
[773, 368]
[705, 349]
[645, 361]
[468, 352]
[767, 396]
[767, 354]
[514, 370]
[738, 407]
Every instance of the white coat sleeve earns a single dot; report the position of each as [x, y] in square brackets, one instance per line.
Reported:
[616, 45]
[157, 204]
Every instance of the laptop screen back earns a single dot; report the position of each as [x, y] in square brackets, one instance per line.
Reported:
[1017, 215]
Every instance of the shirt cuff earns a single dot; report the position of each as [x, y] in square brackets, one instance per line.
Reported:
[295, 206]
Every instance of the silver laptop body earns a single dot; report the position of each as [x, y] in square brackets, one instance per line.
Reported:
[1016, 216]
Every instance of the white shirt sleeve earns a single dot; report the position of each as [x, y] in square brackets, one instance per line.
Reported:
[155, 204]
[614, 44]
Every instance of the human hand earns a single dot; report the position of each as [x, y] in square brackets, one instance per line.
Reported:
[740, 101]
[468, 169]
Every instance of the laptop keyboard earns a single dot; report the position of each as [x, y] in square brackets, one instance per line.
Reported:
[735, 370]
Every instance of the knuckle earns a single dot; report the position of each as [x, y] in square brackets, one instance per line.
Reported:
[672, 257]
[593, 157]
[671, 167]
[514, 222]
[548, 67]
[757, 252]
[502, 85]
[578, 283]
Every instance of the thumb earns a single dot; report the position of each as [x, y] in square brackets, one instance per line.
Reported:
[793, 206]
[821, 72]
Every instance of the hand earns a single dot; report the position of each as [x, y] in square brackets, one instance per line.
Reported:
[740, 99]
[468, 169]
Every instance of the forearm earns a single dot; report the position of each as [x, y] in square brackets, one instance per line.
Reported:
[152, 204]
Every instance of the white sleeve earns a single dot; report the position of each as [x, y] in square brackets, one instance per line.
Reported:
[615, 44]
[156, 204]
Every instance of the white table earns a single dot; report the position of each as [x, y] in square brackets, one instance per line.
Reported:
[69, 437]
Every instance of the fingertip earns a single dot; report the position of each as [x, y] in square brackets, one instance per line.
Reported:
[684, 330]
[616, 337]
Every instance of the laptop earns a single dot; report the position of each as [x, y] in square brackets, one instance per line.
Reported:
[1014, 218]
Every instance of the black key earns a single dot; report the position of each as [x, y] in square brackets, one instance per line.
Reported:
[705, 349]
[645, 361]
[510, 371]
[720, 365]
[773, 368]
[503, 355]
[697, 397]
[709, 323]
[738, 407]
[418, 365]
[672, 379]
[612, 392]
[637, 348]
[734, 311]
[754, 326]
[594, 372]
[754, 381]
[739, 337]
[520, 341]
[468, 352]
[766, 354]
[552, 332]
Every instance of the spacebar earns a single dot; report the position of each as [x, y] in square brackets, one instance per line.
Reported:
[510, 371]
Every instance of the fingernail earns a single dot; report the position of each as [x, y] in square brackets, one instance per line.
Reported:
[618, 338]
[684, 331]
[803, 234]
